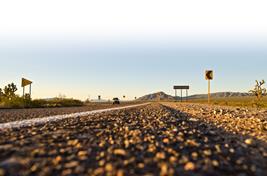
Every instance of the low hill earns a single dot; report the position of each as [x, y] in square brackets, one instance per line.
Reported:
[156, 97]
[163, 96]
[219, 95]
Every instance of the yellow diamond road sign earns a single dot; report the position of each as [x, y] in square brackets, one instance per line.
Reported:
[209, 75]
[25, 82]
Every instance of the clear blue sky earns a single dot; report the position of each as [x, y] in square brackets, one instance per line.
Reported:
[132, 69]
[111, 50]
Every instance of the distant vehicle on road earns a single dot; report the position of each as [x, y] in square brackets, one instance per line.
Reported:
[116, 101]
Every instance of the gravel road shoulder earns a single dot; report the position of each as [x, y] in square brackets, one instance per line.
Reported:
[236, 120]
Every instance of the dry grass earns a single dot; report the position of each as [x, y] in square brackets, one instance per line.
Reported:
[233, 101]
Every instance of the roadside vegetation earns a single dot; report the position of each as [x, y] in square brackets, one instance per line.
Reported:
[247, 101]
[257, 99]
[259, 92]
[9, 99]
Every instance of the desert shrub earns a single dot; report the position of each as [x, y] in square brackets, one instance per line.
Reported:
[56, 102]
[87, 101]
[39, 103]
[67, 102]
[15, 102]
[8, 99]
[259, 92]
[9, 91]
[1, 95]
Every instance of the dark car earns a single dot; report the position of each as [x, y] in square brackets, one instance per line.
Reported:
[116, 101]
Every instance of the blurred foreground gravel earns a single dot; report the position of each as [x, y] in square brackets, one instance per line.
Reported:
[149, 140]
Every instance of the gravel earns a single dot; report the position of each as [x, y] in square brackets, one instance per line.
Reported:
[243, 121]
[149, 140]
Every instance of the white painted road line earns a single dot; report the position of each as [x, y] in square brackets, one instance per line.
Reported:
[44, 120]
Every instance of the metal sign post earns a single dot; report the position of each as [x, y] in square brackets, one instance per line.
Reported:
[181, 95]
[209, 76]
[209, 91]
[23, 92]
[30, 90]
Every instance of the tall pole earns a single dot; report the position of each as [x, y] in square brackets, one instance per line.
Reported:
[186, 95]
[209, 91]
[181, 95]
[23, 92]
[30, 91]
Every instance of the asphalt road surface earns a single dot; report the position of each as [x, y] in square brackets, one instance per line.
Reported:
[154, 139]
[10, 115]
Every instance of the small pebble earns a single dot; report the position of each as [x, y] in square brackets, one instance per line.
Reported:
[120, 152]
[249, 141]
[189, 166]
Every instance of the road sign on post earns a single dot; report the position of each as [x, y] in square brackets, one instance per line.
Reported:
[24, 83]
[209, 76]
[181, 88]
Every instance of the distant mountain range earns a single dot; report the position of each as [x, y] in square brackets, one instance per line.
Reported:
[163, 96]
[156, 96]
[219, 95]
